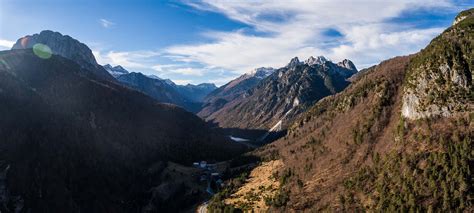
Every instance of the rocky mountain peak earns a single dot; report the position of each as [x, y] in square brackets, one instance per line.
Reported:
[67, 47]
[261, 72]
[118, 67]
[206, 85]
[318, 60]
[115, 71]
[294, 62]
[346, 63]
[59, 44]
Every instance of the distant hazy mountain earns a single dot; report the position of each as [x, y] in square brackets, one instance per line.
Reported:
[273, 102]
[67, 47]
[72, 142]
[164, 90]
[158, 89]
[168, 81]
[196, 93]
[215, 100]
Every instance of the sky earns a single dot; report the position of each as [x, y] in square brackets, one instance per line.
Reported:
[197, 41]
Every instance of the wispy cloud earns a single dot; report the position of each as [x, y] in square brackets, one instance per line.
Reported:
[284, 30]
[6, 44]
[163, 67]
[129, 59]
[106, 23]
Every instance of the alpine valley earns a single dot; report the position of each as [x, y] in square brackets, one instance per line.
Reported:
[310, 136]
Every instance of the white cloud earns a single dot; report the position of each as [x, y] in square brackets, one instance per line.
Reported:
[182, 69]
[106, 23]
[6, 44]
[127, 59]
[182, 81]
[163, 67]
[369, 44]
[287, 29]
[188, 71]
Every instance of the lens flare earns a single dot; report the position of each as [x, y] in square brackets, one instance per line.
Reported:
[4, 64]
[42, 51]
[24, 41]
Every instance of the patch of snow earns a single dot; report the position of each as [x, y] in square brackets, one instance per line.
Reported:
[296, 102]
[236, 139]
[261, 72]
[286, 114]
[155, 77]
[115, 71]
[277, 126]
[318, 60]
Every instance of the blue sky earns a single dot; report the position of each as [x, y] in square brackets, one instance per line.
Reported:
[195, 41]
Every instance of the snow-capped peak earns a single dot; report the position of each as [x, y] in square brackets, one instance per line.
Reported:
[261, 72]
[115, 71]
[318, 60]
[155, 77]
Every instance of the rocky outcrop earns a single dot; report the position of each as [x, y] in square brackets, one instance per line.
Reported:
[439, 80]
[346, 63]
[463, 15]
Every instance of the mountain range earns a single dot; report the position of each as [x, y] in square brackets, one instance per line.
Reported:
[270, 99]
[189, 96]
[77, 136]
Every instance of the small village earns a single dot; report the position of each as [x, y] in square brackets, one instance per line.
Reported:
[210, 175]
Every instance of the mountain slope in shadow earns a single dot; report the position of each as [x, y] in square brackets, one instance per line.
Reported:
[73, 142]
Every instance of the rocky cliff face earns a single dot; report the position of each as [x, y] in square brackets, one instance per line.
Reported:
[439, 80]
[60, 44]
[66, 47]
